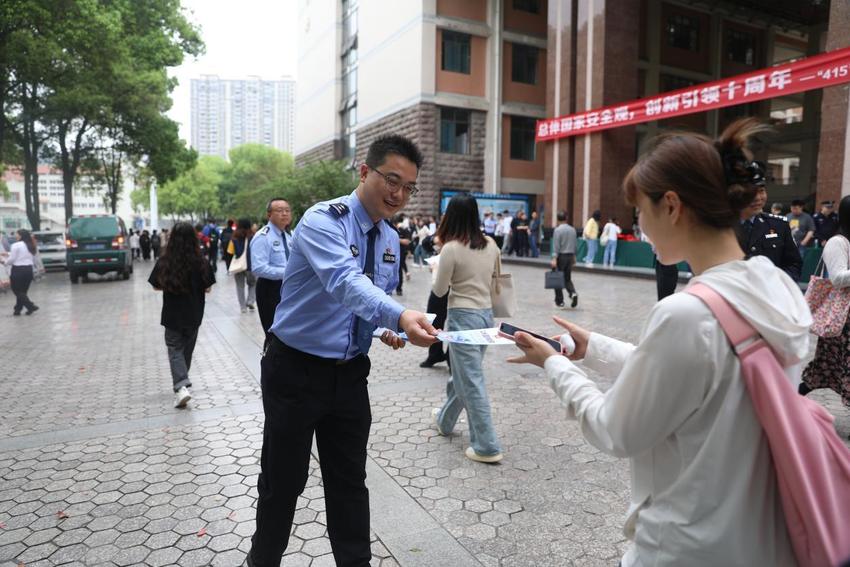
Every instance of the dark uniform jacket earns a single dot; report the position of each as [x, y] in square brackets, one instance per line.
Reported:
[826, 226]
[770, 235]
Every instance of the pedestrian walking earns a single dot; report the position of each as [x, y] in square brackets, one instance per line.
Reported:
[499, 231]
[404, 238]
[224, 238]
[164, 237]
[419, 253]
[468, 260]
[591, 236]
[610, 234]
[20, 261]
[564, 258]
[342, 267]
[156, 244]
[145, 245]
[830, 368]
[507, 234]
[184, 278]
[241, 244]
[269, 255]
[704, 488]
[438, 306]
[535, 234]
[135, 247]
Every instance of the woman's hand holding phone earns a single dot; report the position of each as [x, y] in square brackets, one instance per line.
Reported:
[580, 335]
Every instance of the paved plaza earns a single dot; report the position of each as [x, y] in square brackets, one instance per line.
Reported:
[97, 468]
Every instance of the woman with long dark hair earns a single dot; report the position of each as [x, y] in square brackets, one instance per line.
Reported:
[468, 260]
[830, 368]
[704, 485]
[240, 244]
[184, 277]
[20, 261]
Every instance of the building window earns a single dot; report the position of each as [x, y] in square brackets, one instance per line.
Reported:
[740, 47]
[524, 64]
[456, 52]
[674, 83]
[522, 138]
[454, 131]
[532, 6]
[683, 32]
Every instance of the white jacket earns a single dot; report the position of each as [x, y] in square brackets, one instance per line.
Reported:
[703, 486]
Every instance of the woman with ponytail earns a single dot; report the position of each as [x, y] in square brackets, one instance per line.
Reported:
[21, 260]
[704, 489]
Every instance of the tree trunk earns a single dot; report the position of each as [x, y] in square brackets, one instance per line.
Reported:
[31, 143]
[70, 158]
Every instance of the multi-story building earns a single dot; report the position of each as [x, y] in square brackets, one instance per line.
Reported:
[229, 113]
[467, 80]
[51, 195]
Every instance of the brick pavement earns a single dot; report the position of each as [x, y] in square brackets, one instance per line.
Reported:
[87, 429]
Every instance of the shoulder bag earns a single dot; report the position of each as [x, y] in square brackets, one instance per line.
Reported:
[502, 295]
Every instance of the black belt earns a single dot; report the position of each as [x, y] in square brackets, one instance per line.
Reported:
[312, 357]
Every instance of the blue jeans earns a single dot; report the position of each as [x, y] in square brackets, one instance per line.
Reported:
[610, 253]
[535, 251]
[419, 255]
[466, 388]
[592, 246]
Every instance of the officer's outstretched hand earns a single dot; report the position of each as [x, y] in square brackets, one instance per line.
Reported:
[419, 331]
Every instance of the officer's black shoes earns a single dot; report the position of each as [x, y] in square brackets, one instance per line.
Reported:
[559, 305]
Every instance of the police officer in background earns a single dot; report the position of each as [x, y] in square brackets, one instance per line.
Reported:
[826, 222]
[762, 234]
[269, 254]
[343, 263]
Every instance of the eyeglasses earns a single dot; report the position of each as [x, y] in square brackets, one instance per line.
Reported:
[394, 183]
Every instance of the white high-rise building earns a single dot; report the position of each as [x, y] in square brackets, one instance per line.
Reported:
[228, 113]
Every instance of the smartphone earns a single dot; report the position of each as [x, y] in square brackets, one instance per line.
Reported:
[507, 330]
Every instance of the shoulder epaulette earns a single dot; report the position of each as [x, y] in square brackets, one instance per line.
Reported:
[338, 209]
[264, 230]
[771, 215]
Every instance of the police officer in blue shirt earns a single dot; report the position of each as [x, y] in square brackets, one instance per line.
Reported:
[269, 254]
[343, 263]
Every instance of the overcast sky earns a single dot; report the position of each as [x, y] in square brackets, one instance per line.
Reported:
[243, 37]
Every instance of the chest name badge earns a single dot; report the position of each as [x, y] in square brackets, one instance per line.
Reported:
[354, 251]
[389, 256]
[276, 243]
[771, 235]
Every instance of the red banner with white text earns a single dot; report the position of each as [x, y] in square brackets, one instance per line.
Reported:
[824, 70]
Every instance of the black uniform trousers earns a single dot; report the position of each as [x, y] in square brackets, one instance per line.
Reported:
[302, 395]
[268, 296]
[439, 306]
[565, 264]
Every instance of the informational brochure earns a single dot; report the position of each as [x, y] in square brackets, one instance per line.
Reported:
[380, 330]
[475, 337]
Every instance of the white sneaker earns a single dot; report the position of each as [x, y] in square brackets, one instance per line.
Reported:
[182, 397]
[473, 456]
[435, 414]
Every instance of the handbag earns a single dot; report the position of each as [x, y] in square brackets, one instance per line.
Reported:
[812, 463]
[239, 264]
[502, 295]
[829, 306]
[603, 240]
[554, 279]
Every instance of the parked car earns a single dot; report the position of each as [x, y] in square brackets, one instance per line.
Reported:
[51, 248]
[98, 244]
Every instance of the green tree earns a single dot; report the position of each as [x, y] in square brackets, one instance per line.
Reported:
[319, 181]
[256, 174]
[194, 193]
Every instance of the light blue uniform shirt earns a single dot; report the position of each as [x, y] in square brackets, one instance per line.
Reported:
[325, 287]
[268, 252]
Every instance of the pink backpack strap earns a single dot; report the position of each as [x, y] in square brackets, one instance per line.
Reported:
[740, 333]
